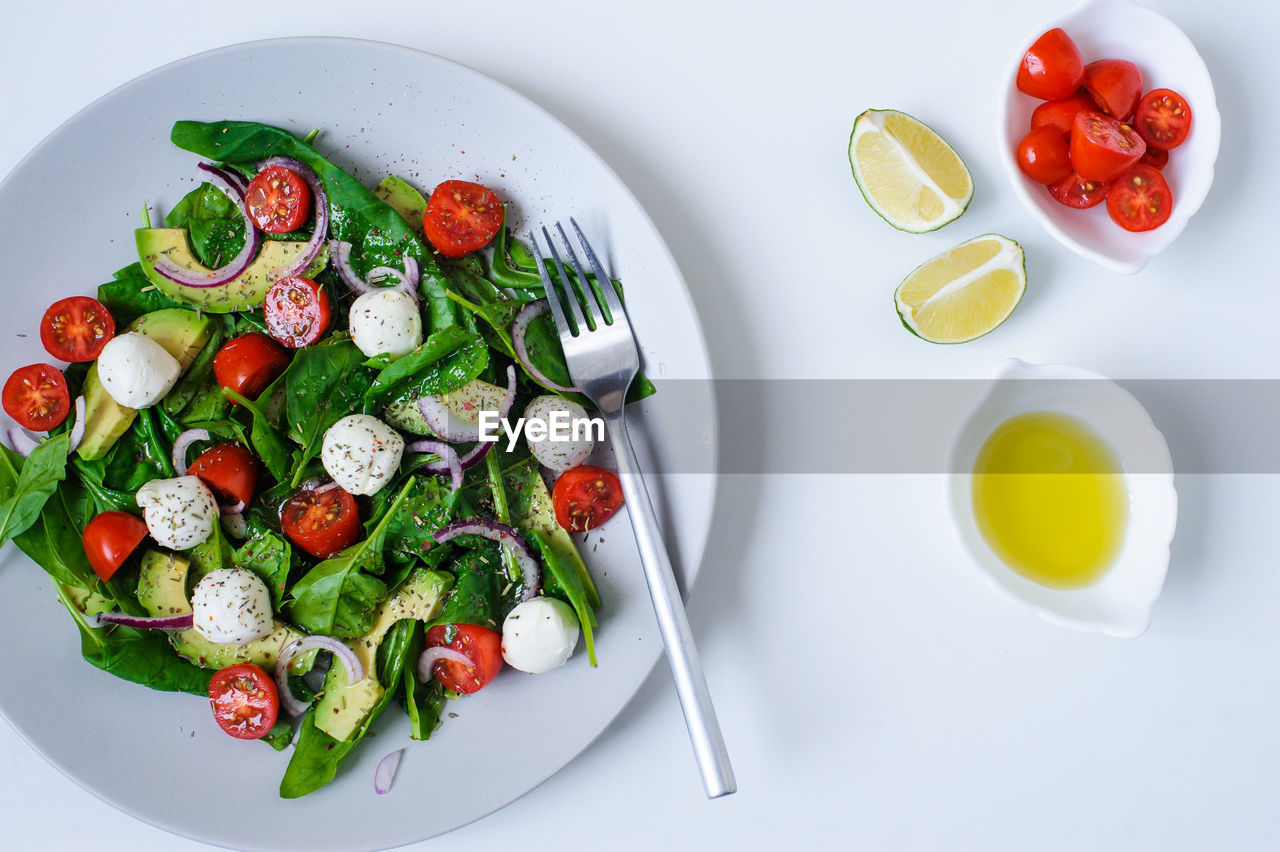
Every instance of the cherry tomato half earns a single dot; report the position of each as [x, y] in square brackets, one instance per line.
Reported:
[1043, 155]
[244, 700]
[322, 521]
[1115, 84]
[230, 471]
[461, 217]
[278, 200]
[36, 396]
[248, 363]
[109, 539]
[1060, 114]
[482, 645]
[1155, 158]
[585, 497]
[1141, 200]
[1163, 119]
[1102, 148]
[76, 329]
[1079, 193]
[297, 311]
[1052, 68]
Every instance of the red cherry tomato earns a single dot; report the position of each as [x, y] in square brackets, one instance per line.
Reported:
[278, 200]
[1163, 119]
[230, 471]
[1155, 158]
[36, 396]
[1043, 155]
[297, 311]
[481, 645]
[76, 329]
[322, 521]
[1115, 84]
[461, 217]
[248, 363]
[1079, 193]
[585, 497]
[245, 701]
[1052, 68]
[1102, 148]
[1141, 200]
[1060, 114]
[109, 539]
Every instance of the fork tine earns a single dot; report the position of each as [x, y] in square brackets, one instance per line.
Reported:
[604, 316]
[557, 311]
[574, 308]
[602, 277]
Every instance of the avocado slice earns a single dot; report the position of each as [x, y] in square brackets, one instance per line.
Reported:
[182, 333]
[343, 706]
[242, 293]
[402, 198]
[162, 591]
[465, 403]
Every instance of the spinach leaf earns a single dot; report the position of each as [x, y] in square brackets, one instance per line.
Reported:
[214, 227]
[265, 439]
[92, 475]
[478, 590]
[531, 511]
[323, 384]
[280, 735]
[28, 484]
[316, 756]
[422, 701]
[61, 521]
[410, 531]
[338, 596]
[268, 555]
[445, 361]
[130, 295]
[563, 581]
[134, 459]
[357, 216]
[198, 381]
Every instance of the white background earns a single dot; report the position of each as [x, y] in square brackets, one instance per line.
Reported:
[874, 694]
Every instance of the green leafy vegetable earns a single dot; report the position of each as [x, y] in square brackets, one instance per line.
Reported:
[129, 295]
[265, 439]
[268, 555]
[445, 361]
[29, 483]
[323, 384]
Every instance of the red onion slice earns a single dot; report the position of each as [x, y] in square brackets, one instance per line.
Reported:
[180, 445]
[519, 328]
[320, 201]
[406, 282]
[236, 508]
[452, 465]
[429, 658]
[167, 622]
[509, 538]
[340, 256]
[22, 441]
[443, 425]
[340, 650]
[78, 425]
[328, 486]
[402, 280]
[202, 278]
[385, 774]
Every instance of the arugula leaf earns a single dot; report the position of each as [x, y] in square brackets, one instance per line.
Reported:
[323, 384]
[445, 361]
[30, 483]
[269, 556]
[338, 596]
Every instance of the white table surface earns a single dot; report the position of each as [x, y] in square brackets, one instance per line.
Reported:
[874, 694]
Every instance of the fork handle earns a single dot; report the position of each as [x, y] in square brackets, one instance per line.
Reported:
[673, 623]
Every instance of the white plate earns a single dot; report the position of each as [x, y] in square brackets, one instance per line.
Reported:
[69, 210]
[1121, 29]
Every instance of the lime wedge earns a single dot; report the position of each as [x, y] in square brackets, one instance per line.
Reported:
[907, 172]
[965, 292]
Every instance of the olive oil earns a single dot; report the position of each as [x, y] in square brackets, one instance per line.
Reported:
[1050, 499]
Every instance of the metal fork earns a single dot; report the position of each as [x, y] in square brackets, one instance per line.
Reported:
[601, 353]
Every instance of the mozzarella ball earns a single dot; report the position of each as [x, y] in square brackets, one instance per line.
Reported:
[231, 606]
[180, 513]
[557, 417]
[539, 635]
[386, 322]
[361, 453]
[136, 371]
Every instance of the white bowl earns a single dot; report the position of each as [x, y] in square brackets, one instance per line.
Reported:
[1121, 29]
[1119, 604]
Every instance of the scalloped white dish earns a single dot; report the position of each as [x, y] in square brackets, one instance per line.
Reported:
[1118, 604]
[381, 109]
[1121, 29]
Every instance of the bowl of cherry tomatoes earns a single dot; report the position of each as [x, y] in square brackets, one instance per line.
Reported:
[1109, 130]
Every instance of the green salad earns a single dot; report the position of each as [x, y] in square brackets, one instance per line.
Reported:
[261, 477]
